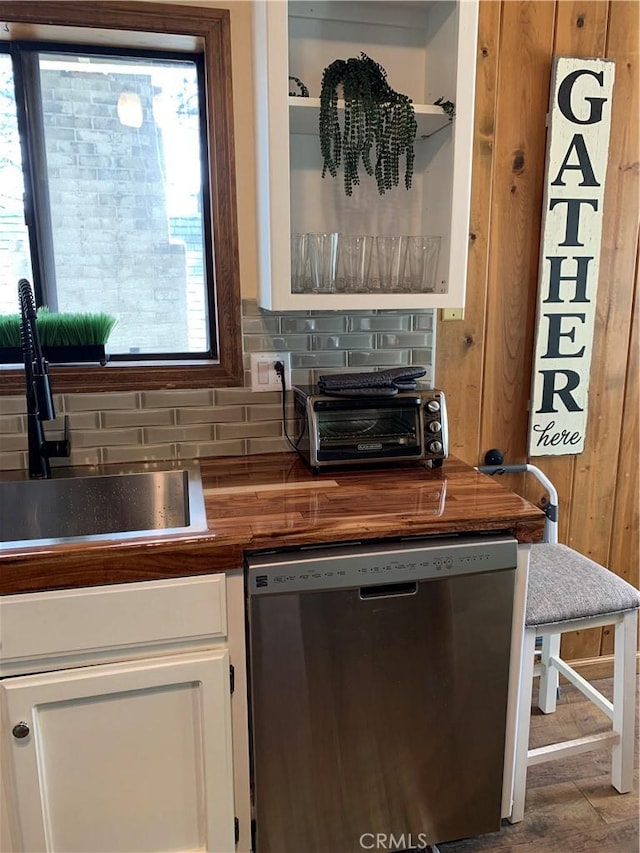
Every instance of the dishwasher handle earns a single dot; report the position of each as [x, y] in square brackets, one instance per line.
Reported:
[385, 590]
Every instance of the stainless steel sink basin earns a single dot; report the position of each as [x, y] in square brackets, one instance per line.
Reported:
[101, 506]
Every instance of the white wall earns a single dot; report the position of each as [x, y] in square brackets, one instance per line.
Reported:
[242, 71]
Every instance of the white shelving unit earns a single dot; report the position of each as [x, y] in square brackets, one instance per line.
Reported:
[428, 50]
[304, 117]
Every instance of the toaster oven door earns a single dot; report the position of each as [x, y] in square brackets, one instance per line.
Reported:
[349, 430]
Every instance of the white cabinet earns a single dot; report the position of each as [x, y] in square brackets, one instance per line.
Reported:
[428, 50]
[123, 757]
[127, 755]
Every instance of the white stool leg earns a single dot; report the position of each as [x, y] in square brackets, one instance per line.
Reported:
[624, 682]
[523, 720]
[549, 680]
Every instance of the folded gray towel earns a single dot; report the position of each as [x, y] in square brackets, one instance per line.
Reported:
[379, 383]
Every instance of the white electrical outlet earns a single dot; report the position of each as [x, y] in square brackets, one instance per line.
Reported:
[263, 372]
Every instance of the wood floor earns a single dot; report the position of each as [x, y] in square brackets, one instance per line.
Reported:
[570, 806]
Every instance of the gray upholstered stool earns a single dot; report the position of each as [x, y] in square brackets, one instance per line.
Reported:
[567, 591]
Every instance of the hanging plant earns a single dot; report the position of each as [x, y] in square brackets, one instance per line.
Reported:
[448, 106]
[374, 115]
[304, 92]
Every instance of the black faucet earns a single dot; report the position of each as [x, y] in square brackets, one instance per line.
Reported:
[39, 397]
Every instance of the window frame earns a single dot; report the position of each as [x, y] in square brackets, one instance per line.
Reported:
[210, 28]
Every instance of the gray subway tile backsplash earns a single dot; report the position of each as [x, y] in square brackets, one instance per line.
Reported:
[275, 343]
[423, 322]
[177, 399]
[12, 460]
[402, 339]
[162, 435]
[100, 402]
[136, 417]
[380, 323]
[13, 442]
[138, 426]
[209, 415]
[297, 325]
[424, 358]
[13, 406]
[318, 359]
[342, 342]
[106, 437]
[245, 397]
[378, 358]
[264, 413]
[81, 456]
[141, 453]
[89, 420]
[305, 377]
[10, 424]
[260, 325]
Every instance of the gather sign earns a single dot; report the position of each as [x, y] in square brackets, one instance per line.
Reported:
[577, 152]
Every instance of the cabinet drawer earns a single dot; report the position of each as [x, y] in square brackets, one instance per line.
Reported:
[80, 621]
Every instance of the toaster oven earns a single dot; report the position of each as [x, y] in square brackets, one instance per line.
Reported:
[335, 430]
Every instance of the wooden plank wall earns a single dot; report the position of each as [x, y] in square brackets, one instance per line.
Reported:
[484, 361]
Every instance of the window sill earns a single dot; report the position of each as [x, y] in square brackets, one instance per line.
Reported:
[126, 376]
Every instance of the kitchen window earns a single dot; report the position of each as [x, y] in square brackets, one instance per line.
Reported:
[119, 123]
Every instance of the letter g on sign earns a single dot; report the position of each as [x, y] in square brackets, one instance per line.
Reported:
[565, 92]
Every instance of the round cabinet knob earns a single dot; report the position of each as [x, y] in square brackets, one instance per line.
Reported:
[20, 730]
[435, 447]
[433, 406]
[435, 426]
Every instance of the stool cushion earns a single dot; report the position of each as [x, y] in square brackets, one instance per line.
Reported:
[565, 585]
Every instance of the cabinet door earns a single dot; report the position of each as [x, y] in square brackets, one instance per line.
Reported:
[124, 757]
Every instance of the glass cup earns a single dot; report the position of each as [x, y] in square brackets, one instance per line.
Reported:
[416, 257]
[391, 254]
[354, 262]
[422, 263]
[323, 256]
[432, 253]
[300, 272]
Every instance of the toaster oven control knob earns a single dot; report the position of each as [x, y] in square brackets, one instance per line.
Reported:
[433, 406]
[435, 447]
[435, 426]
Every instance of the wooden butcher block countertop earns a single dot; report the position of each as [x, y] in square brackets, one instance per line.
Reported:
[274, 500]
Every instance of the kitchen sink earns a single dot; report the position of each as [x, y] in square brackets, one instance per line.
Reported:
[74, 505]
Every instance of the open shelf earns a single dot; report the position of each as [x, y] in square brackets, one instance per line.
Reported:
[304, 112]
[428, 49]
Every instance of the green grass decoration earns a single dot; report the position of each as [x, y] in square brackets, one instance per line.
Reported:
[9, 330]
[59, 330]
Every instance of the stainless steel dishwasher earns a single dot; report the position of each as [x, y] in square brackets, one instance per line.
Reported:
[378, 692]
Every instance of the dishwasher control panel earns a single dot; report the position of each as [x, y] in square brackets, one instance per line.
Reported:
[366, 564]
